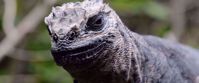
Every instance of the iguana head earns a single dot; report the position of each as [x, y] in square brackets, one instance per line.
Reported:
[83, 33]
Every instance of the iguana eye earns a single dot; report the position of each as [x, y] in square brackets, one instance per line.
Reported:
[95, 23]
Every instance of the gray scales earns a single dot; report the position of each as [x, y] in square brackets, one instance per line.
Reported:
[90, 41]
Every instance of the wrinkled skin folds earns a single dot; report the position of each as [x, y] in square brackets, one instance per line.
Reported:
[90, 42]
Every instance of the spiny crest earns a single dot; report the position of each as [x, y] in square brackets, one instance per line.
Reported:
[91, 8]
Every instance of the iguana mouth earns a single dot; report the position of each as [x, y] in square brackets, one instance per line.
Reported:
[79, 54]
[89, 50]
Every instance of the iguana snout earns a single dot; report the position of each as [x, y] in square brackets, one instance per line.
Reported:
[80, 32]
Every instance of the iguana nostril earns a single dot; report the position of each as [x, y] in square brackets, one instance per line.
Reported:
[55, 37]
[72, 35]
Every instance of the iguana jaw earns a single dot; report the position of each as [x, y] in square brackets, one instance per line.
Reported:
[79, 54]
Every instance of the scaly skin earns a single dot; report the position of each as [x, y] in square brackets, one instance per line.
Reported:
[94, 46]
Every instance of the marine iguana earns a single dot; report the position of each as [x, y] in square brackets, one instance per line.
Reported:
[90, 41]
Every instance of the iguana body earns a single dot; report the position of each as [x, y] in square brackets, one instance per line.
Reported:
[94, 46]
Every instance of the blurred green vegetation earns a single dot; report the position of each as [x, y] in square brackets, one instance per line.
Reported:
[149, 7]
[43, 38]
[49, 72]
[38, 41]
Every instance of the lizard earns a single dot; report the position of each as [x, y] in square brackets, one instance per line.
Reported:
[89, 40]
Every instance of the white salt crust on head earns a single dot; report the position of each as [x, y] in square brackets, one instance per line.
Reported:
[76, 13]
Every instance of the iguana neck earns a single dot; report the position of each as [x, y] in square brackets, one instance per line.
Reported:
[115, 66]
